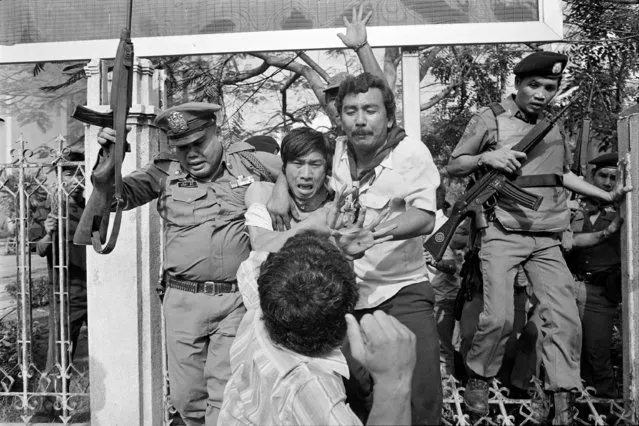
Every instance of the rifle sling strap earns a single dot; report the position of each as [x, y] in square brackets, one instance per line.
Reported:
[496, 108]
[543, 180]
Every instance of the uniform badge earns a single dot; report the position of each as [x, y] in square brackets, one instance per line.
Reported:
[243, 181]
[556, 69]
[177, 123]
[187, 183]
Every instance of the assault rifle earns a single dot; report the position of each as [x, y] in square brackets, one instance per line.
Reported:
[93, 225]
[493, 183]
[580, 159]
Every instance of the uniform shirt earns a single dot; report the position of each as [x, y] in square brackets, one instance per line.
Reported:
[406, 177]
[204, 232]
[485, 132]
[602, 256]
[271, 385]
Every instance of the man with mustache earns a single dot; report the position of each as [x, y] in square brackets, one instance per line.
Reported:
[519, 236]
[393, 178]
[200, 192]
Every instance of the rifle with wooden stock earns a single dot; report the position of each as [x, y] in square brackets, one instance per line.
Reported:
[94, 222]
[494, 183]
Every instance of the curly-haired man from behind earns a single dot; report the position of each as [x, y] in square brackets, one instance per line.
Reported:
[286, 362]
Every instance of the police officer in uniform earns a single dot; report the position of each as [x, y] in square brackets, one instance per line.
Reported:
[200, 192]
[595, 261]
[519, 236]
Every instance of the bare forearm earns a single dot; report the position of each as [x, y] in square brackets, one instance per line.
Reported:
[269, 241]
[369, 63]
[580, 186]
[589, 239]
[391, 405]
[463, 165]
[412, 223]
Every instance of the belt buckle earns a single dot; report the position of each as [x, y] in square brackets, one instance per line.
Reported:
[205, 285]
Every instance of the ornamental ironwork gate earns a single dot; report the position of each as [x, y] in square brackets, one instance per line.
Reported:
[41, 288]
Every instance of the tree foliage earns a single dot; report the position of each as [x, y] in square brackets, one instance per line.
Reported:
[601, 39]
[604, 52]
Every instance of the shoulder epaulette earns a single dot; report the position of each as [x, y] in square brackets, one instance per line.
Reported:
[164, 161]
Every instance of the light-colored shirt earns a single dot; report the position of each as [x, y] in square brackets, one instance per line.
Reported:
[271, 385]
[407, 177]
[256, 213]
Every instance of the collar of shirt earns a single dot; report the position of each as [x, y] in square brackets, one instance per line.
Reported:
[341, 149]
[285, 359]
[513, 110]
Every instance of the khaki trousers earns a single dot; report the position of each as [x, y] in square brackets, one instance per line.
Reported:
[552, 283]
[200, 329]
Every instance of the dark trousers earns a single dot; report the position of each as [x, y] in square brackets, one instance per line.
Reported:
[413, 307]
[597, 314]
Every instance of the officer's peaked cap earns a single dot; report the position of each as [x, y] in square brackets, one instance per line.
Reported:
[187, 122]
[609, 159]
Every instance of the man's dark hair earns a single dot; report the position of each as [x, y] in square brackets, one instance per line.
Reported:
[362, 83]
[302, 141]
[305, 290]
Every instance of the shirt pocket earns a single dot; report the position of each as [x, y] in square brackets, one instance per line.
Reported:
[376, 205]
[183, 203]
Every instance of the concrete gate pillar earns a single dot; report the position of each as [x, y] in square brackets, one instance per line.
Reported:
[124, 330]
[628, 143]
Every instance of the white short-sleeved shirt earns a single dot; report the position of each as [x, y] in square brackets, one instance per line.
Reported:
[407, 177]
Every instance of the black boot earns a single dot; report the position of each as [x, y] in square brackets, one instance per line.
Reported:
[476, 396]
[564, 408]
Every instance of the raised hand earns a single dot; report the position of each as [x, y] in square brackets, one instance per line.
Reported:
[621, 189]
[104, 172]
[355, 29]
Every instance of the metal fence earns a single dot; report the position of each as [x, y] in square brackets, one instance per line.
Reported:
[40, 380]
[507, 411]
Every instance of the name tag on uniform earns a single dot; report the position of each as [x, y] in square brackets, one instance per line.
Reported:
[242, 181]
[187, 183]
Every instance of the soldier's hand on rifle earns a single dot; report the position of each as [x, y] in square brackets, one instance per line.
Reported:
[104, 172]
[503, 159]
